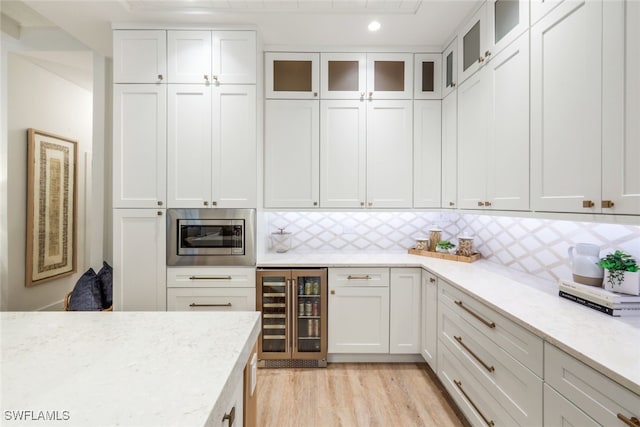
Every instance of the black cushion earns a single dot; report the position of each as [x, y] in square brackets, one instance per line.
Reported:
[86, 294]
[105, 276]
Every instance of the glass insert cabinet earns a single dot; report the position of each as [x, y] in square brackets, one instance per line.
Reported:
[293, 304]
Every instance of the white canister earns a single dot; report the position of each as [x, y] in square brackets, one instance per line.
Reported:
[281, 241]
[465, 245]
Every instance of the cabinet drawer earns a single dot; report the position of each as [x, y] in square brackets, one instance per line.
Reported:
[559, 412]
[523, 345]
[601, 398]
[214, 299]
[207, 277]
[476, 402]
[358, 277]
[515, 387]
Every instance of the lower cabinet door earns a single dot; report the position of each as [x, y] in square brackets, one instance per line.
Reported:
[215, 299]
[559, 412]
[358, 320]
[233, 408]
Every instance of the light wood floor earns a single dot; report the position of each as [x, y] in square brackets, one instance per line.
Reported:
[353, 395]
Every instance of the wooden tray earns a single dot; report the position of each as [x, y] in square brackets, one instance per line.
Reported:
[476, 256]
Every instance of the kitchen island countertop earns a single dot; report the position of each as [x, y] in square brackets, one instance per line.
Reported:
[122, 368]
[607, 344]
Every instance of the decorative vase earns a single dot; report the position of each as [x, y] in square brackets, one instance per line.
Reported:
[630, 283]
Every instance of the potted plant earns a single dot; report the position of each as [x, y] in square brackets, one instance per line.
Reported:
[445, 246]
[621, 273]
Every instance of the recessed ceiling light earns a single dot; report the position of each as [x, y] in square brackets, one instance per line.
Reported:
[374, 26]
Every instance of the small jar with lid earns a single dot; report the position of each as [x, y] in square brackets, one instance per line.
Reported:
[465, 245]
[281, 240]
[435, 234]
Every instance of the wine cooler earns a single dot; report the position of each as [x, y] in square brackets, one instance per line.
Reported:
[294, 317]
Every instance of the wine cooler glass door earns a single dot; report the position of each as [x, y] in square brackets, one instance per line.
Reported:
[274, 300]
[309, 314]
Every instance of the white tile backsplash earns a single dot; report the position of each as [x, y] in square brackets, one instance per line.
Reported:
[535, 246]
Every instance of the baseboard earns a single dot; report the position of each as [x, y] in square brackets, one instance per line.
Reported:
[375, 358]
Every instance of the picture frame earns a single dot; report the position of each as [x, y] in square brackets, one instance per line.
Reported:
[51, 250]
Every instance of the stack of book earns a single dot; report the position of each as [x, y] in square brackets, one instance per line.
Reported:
[600, 299]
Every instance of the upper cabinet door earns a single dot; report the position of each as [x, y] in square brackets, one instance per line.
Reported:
[539, 8]
[473, 44]
[427, 137]
[566, 108]
[139, 56]
[390, 76]
[507, 20]
[292, 75]
[344, 75]
[189, 56]
[450, 68]
[427, 76]
[621, 108]
[234, 57]
[139, 146]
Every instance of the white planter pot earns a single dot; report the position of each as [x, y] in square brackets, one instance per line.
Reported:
[630, 284]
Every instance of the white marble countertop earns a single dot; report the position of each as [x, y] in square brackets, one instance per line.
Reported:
[608, 344]
[122, 368]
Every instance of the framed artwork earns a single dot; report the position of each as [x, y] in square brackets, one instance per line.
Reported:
[51, 207]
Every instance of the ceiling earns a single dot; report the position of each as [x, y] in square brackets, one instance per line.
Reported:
[281, 23]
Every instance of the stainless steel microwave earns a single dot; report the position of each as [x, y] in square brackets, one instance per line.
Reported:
[211, 237]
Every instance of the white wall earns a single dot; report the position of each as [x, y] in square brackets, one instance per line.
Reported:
[39, 99]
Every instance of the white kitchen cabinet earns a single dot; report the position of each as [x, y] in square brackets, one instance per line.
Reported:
[211, 277]
[232, 410]
[389, 76]
[212, 146]
[602, 399]
[361, 163]
[621, 108]
[389, 154]
[566, 108]
[291, 158]
[139, 56]
[343, 153]
[211, 299]
[449, 173]
[450, 68]
[539, 8]
[358, 310]
[427, 76]
[493, 133]
[343, 75]
[429, 319]
[139, 253]
[490, 365]
[139, 146]
[292, 75]
[404, 310]
[495, 25]
[427, 143]
[559, 412]
[212, 57]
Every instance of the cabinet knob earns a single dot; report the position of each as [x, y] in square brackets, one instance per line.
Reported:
[230, 417]
[487, 54]
[370, 203]
[315, 203]
[206, 78]
[315, 94]
[432, 279]
[370, 95]
[451, 204]
[607, 204]
[333, 292]
[159, 202]
[159, 213]
[205, 203]
[481, 59]
[480, 203]
[588, 204]
[214, 203]
[361, 203]
[160, 77]
[215, 77]
[453, 84]
[487, 203]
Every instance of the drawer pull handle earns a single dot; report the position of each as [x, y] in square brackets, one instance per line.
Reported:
[459, 385]
[193, 304]
[486, 322]
[231, 416]
[209, 277]
[359, 277]
[487, 367]
[632, 422]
